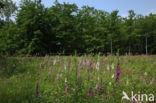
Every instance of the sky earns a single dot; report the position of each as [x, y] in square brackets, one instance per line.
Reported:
[139, 6]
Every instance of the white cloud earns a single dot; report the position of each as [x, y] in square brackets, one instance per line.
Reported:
[153, 11]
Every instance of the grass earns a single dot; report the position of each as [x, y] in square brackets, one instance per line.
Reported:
[73, 79]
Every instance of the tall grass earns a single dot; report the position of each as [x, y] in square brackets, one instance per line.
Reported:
[73, 79]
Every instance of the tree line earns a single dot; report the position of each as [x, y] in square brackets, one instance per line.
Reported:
[65, 28]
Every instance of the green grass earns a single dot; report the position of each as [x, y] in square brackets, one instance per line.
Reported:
[19, 77]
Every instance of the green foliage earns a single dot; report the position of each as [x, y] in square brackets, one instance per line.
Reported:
[64, 29]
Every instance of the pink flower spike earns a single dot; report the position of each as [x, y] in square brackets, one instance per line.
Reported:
[66, 89]
[90, 64]
[118, 73]
[90, 92]
[84, 63]
[69, 63]
[153, 79]
[37, 91]
[58, 76]
[71, 69]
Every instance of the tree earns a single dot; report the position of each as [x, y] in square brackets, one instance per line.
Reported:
[30, 19]
[8, 8]
[113, 28]
[130, 28]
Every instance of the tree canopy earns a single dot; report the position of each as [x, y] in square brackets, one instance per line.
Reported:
[65, 28]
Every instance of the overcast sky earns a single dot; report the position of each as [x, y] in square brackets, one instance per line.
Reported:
[139, 6]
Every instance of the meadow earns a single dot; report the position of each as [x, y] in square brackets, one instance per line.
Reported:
[77, 79]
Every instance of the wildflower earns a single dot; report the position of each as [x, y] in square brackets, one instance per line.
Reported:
[84, 63]
[58, 76]
[69, 63]
[144, 80]
[65, 80]
[98, 87]
[105, 63]
[81, 64]
[65, 67]
[54, 62]
[71, 69]
[87, 70]
[112, 66]
[110, 83]
[93, 71]
[153, 79]
[79, 73]
[90, 92]
[113, 76]
[90, 64]
[97, 65]
[66, 89]
[118, 72]
[37, 91]
[104, 72]
[145, 73]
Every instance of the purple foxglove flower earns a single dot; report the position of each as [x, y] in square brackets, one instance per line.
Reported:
[37, 91]
[81, 64]
[98, 87]
[87, 70]
[90, 92]
[58, 76]
[69, 63]
[79, 74]
[90, 64]
[84, 63]
[71, 69]
[66, 89]
[153, 79]
[104, 63]
[118, 73]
